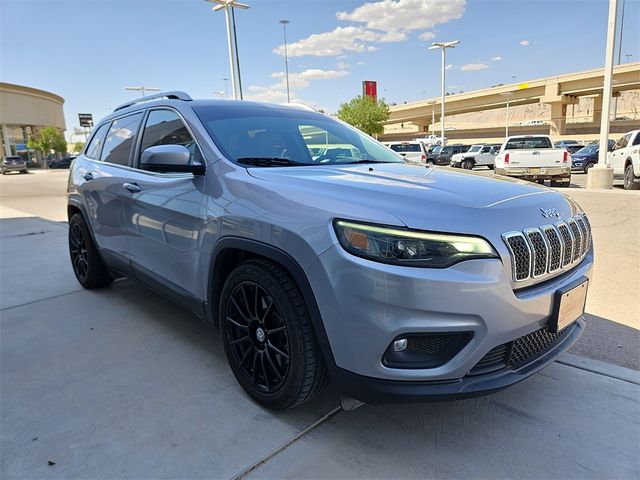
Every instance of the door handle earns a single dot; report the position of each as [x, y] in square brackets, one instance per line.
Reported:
[132, 187]
[88, 176]
[535, 153]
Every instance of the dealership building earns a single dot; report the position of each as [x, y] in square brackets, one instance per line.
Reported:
[23, 111]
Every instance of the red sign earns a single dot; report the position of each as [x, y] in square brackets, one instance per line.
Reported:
[370, 89]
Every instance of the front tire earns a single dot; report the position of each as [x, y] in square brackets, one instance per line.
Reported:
[268, 337]
[629, 177]
[85, 260]
[467, 164]
[587, 167]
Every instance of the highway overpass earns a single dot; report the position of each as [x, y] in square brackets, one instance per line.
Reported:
[412, 120]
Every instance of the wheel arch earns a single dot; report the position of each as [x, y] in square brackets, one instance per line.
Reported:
[231, 251]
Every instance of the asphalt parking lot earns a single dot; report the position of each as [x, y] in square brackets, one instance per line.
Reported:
[121, 383]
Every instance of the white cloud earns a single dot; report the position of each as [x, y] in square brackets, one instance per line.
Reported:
[381, 22]
[426, 36]
[496, 59]
[360, 63]
[277, 93]
[472, 67]
[525, 43]
[449, 66]
[371, 48]
[406, 15]
[328, 44]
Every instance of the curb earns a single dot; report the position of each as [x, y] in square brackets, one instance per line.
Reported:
[601, 368]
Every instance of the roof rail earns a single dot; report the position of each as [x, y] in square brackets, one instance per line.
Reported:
[175, 95]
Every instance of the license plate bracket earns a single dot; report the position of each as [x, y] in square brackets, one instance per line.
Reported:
[568, 306]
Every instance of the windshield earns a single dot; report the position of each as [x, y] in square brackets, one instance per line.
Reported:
[475, 148]
[437, 149]
[588, 150]
[250, 132]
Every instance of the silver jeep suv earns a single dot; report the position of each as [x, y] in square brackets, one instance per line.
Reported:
[321, 255]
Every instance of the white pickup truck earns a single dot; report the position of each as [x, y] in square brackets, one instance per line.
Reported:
[625, 159]
[533, 157]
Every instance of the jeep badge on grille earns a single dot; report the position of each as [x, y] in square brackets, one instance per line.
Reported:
[550, 212]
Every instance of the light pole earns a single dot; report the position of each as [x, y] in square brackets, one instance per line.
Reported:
[601, 175]
[628, 55]
[234, 67]
[284, 23]
[443, 47]
[509, 96]
[143, 90]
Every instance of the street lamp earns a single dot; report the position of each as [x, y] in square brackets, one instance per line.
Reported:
[234, 66]
[509, 96]
[284, 23]
[443, 47]
[143, 90]
[628, 55]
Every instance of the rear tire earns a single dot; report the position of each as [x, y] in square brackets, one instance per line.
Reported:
[541, 181]
[563, 184]
[268, 336]
[629, 177]
[85, 260]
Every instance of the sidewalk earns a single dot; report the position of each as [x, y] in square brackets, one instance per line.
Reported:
[121, 383]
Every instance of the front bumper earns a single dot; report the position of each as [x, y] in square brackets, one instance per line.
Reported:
[375, 390]
[535, 173]
[365, 305]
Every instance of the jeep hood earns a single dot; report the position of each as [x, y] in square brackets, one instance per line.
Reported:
[419, 196]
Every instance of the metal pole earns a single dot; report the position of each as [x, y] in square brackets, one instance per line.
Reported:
[232, 58]
[615, 100]
[506, 127]
[444, 58]
[286, 57]
[607, 89]
[235, 46]
[433, 114]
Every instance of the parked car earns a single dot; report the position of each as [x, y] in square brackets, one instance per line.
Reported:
[63, 162]
[476, 156]
[571, 146]
[533, 157]
[13, 163]
[587, 157]
[412, 151]
[625, 159]
[446, 152]
[396, 282]
[432, 153]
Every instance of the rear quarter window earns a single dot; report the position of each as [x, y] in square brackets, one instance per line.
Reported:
[528, 143]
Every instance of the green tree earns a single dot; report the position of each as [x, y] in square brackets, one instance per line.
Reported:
[365, 113]
[78, 146]
[47, 139]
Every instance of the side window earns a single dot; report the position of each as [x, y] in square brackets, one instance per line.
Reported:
[95, 145]
[485, 149]
[637, 140]
[165, 127]
[120, 139]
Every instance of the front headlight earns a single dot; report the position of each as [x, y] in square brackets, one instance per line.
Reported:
[409, 248]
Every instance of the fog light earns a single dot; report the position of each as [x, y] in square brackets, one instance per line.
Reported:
[400, 345]
[424, 350]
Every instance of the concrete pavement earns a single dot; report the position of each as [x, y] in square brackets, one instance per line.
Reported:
[121, 383]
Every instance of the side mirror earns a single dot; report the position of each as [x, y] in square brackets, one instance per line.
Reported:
[169, 159]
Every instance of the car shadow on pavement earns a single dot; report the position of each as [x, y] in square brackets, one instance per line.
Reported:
[609, 341]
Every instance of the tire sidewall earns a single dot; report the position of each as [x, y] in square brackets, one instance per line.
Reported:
[253, 272]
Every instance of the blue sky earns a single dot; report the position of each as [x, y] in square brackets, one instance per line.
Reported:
[88, 50]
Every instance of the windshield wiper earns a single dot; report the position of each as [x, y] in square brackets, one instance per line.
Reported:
[270, 162]
[368, 160]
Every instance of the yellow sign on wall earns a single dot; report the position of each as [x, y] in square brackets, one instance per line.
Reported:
[523, 86]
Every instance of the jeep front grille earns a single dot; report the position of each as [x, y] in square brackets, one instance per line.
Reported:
[537, 252]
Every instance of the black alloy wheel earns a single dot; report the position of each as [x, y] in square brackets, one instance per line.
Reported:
[258, 337]
[78, 252]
